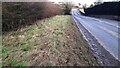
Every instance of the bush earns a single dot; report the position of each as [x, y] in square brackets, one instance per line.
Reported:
[67, 7]
[16, 15]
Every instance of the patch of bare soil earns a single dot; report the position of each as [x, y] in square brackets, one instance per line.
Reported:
[69, 50]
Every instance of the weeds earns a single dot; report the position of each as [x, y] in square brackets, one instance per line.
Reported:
[4, 50]
[26, 49]
[29, 37]
[13, 62]
[24, 56]
[22, 42]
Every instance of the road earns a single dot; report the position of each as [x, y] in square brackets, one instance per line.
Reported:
[104, 30]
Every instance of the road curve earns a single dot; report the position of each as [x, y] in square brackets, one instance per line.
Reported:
[105, 31]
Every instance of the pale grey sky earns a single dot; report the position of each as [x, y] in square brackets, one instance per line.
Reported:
[81, 1]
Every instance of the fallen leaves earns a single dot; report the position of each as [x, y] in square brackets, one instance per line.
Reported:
[21, 36]
[68, 36]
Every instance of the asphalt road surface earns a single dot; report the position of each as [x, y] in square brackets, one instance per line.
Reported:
[104, 30]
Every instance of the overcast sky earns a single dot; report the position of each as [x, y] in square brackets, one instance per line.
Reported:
[89, 2]
[82, 1]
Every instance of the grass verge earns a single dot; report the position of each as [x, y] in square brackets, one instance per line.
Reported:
[27, 41]
[55, 41]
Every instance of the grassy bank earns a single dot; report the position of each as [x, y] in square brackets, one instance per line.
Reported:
[54, 41]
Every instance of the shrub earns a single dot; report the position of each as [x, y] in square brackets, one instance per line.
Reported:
[16, 15]
[67, 6]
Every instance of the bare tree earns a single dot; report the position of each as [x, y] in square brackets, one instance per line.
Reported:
[98, 2]
[67, 7]
[84, 6]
